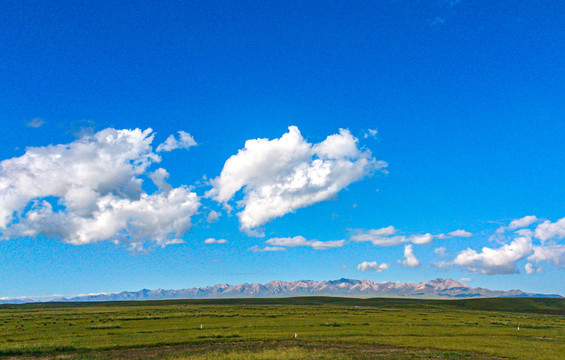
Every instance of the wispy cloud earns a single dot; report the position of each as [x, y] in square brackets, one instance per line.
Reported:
[256, 248]
[387, 237]
[213, 216]
[460, 233]
[301, 241]
[35, 122]
[444, 11]
[79, 128]
[520, 223]
[441, 251]
[370, 133]
[215, 241]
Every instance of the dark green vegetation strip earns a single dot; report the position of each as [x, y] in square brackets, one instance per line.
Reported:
[525, 305]
[326, 328]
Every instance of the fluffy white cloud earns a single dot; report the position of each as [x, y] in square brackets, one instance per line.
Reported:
[548, 230]
[162, 218]
[282, 175]
[522, 222]
[530, 268]
[549, 252]
[495, 261]
[215, 241]
[301, 241]
[159, 178]
[184, 142]
[371, 266]
[386, 237]
[539, 243]
[410, 259]
[460, 233]
[90, 190]
[78, 173]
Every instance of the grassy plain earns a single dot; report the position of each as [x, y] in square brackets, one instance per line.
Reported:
[326, 328]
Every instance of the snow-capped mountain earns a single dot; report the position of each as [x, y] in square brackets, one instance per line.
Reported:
[435, 289]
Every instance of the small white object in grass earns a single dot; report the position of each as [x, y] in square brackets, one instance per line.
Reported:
[201, 326]
[295, 335]
[518, 328]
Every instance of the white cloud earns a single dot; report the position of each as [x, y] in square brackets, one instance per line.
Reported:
[301, 241]
[162, 218]
[410, 259]
[90, 190]
[256, 248]
[460, 233]
[440, 251]
[371, 266]
[420, 239]
[524, 232]
[79, 173]
[184, 142]
[215, 241]
[386, 237]
[386, 231]
[549, 252]
[530, 268]
[282, 175]
[539, 243]
[370, 133]
[159, 178]
[495, 261]
[548, 230]
[35, 122]
[213, 216]
[520, 223]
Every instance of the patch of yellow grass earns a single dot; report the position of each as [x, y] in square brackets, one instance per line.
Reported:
[269, 354]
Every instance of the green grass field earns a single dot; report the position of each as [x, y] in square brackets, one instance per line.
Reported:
[327, 328]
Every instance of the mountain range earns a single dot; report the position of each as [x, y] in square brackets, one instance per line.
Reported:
[434, 289]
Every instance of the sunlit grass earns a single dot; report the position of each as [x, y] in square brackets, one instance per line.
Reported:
[238, 330]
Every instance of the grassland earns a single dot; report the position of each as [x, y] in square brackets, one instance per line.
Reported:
[326, 328]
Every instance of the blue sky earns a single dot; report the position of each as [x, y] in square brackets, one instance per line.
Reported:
[383, 125]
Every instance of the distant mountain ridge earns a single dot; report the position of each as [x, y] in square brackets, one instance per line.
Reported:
[434, 289]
